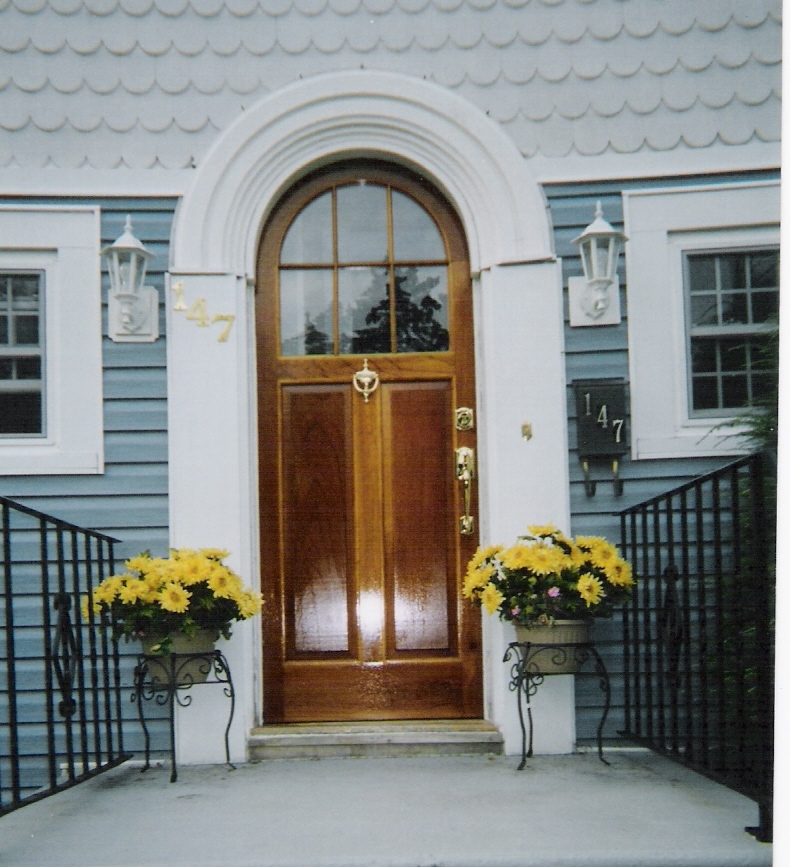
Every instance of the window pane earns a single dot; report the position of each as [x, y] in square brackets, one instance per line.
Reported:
[704, 310]
[765, 305]
[415, 236]
[703, 355]
[705, 393]
[732, 269]
[702, 273]
[26, 328]
[6, 368]
[733, 354]
[362, 224]
[735, 391]
[20, 413]
[28, 368]
[733, 308]
[421, 309]
[764, 270]
[309, 238]
[364, 316]
[306, 326]
[25, 292]
[4, 329]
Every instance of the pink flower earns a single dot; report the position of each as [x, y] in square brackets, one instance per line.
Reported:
[553, 592]
[515, 612]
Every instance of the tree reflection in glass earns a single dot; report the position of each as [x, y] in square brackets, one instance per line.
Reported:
[420, 312]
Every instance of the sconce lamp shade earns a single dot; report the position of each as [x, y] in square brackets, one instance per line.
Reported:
[600, 245]
[127, 260]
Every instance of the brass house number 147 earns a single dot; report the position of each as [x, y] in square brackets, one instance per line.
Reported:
[198, 313]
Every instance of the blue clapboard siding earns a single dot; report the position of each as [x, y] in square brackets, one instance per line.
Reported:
[129, 500]
[602, 352]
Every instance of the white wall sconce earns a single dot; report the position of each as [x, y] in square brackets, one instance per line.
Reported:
[133, 308]
[595, 298]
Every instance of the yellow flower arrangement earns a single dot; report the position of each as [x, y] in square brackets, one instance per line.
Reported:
[185, 592]
[547, 576]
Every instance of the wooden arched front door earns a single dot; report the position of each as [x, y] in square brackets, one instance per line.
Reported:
[365, 357]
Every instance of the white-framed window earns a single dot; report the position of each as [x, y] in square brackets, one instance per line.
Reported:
[732, 301]
[699, 261]
[50, 341]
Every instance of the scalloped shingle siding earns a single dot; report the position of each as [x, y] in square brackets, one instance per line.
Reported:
[147, 82]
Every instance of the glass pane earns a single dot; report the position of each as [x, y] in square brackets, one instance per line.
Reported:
[415, 236]
[702, 273]
[734, 391]
[26, 328]
[733, 271]
[733, 308]
[703, 355]
[733, 354]
[762, 386]
[764, 270]
[309, 238]
[6, 368]
[4, 281]
[705, 394]
[20, 413]
[364, 315]
[28, 368]
[765, 305]
[704, 310]
[4, 329]
[25, 292]
[421, 309]
[306, 326]
[362, 223]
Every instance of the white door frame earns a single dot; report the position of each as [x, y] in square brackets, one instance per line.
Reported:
[212, 401]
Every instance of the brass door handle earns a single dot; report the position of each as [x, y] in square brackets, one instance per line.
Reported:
[464, 473]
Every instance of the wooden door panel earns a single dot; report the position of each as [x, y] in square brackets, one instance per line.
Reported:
[317, 518]
[420, 567]
[316, 693]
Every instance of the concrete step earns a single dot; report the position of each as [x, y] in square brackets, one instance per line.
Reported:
[375, 739]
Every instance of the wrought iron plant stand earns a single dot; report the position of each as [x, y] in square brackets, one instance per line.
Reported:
[167, 680]
[526, 677]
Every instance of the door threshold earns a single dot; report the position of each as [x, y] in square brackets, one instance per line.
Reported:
[384, 739]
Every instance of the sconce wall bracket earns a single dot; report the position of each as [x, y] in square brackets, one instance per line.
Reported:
[590, 304]
[133, 317]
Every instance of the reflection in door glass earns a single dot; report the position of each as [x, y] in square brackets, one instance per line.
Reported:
[306, 312]
[309, 238]
[414, 234]
[362, 223]
[341, 257]
[421, 308]
[363, 296]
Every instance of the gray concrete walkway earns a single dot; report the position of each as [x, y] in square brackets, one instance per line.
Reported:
[561, 811]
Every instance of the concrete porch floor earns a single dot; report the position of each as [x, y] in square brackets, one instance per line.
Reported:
[441, 811]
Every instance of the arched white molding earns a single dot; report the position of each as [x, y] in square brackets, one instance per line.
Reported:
[360, 112]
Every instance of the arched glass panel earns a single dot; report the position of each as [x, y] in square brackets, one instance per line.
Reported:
[309, 238]
[363, 270]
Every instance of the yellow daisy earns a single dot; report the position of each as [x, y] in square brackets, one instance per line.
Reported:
[491, 598]
[174, 598]
[590, 589]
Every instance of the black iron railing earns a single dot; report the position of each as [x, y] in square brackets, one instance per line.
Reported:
[60, 691]
[699, 633]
